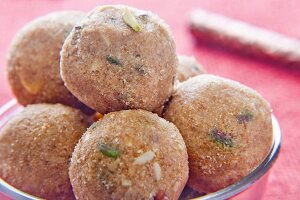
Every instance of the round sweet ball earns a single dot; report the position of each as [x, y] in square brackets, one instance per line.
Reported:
[226, 126]
[120, 58]
[188, 67]
[132, 154]
[36, 146]
[33, 60]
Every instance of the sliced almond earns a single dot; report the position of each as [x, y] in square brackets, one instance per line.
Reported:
[157, 171]
[30, 84]
[144, 158]
[126, 183]
[130, 20]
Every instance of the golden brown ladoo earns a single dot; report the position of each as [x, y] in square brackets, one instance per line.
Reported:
[35, 148]
[118, 58]
[33, 60]
[226, 126]
[132, 154]
[188, 67]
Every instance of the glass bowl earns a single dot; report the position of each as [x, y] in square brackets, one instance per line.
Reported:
[251, 187]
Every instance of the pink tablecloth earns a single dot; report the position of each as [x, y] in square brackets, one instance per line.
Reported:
[280, 86]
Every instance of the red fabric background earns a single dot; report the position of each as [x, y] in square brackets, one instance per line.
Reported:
[280, 86]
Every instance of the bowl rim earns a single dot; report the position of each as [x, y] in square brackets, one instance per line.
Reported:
[225, 193]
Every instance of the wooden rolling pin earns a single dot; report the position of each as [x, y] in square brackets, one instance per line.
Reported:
[243, 37]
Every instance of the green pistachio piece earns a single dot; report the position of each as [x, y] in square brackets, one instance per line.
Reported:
[244, 116]
[220, 137]
[113, 60]
[108, 151]
[130, 20]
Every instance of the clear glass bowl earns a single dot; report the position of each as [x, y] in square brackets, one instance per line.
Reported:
[251, 187]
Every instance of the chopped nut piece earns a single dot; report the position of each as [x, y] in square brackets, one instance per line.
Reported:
[144, 158]
[102, 8]
[31, 85]
[157, 171]
[93, 126]
[97, 116]
[176, 186]
[126, 183]
[245, 116]
[108, 151]
[130, 20]
[220, 137]
[114, 61]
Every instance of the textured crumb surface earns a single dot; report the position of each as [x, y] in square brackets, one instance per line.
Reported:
[130, 154]
[35, 148]
[109, 66]
[33, 60]
[188, 67]
[226, 126]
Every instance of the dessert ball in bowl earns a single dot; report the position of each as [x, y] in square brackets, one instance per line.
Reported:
[35, 147]
[226, 126]
[33, 60]
[131, 154]
[119, 58]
